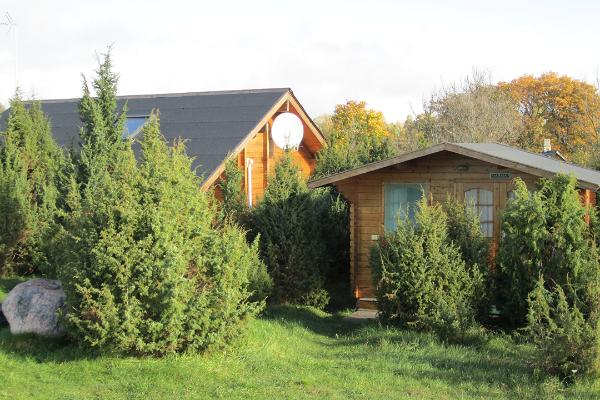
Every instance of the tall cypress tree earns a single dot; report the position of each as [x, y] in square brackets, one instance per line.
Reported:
[30, 164]
[102, 131]
[144, 269]
[289, 222]
[544, 232]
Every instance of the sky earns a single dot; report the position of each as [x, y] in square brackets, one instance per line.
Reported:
[392, 54]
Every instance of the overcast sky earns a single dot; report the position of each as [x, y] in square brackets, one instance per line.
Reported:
[390, 53]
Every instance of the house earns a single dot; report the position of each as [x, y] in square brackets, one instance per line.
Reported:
[480, 173]
[215, 125]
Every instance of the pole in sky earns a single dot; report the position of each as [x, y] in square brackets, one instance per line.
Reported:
[12, 27]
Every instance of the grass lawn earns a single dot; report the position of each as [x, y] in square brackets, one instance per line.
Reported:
[287, 353]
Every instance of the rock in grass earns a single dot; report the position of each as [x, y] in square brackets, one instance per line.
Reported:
[31, 307]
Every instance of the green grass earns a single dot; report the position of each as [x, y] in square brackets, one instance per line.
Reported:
[287, 353]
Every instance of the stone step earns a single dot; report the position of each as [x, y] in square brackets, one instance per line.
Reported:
[362, 315]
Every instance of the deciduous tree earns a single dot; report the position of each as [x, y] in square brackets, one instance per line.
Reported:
[354, 117]
[355, 136]
[473, 110]
[560, 108]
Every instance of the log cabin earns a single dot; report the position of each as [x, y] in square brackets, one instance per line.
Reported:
[216, 126]
[481, 174]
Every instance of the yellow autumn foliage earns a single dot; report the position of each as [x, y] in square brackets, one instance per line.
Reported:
[354, 117]
[560, 108]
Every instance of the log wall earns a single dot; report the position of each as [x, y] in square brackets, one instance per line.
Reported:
[442, 174]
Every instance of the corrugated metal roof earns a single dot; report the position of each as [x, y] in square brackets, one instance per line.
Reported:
[212, 123]
[500, 154]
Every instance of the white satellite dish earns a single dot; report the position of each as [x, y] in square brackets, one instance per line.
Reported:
[287, 131]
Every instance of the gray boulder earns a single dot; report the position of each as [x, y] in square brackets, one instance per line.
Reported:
[31, 307]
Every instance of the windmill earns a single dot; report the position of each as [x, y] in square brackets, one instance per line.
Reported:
[12, 27]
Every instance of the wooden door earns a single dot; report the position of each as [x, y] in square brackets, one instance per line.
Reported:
[486, 198]
[499, 193]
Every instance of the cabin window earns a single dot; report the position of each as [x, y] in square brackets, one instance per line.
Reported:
[400, 201]
[133, 125]
[482, 202]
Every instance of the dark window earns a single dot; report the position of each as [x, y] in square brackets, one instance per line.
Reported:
[133, 126]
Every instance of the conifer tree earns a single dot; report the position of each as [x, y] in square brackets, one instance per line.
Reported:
[30, 165]
[567, 338]
[421, 278]
[464, 230]
[289, 223]
[144, 265]
[545, 232]
[232, 206]
[146, 269]
[550, 275]
[102, 131]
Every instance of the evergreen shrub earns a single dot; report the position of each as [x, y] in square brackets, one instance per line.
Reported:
[421, 278]
[550, 275]
[30, 166]
[145, 269]
[146, 265]
[568, 341]
[464, 230]
[544, 232]
[299, 235]
[233, 205]
[233, 210]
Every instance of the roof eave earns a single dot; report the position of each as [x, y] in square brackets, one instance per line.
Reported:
[288, 95]
[582, 184]
[216, 173]
[308, 120]
[374, 166]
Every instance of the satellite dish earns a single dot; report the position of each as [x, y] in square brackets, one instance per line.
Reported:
[287, 131]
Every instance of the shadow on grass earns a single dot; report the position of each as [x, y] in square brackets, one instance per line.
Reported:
[35, 347]
[497, 365]
[40, 349]
[319, 322]
[480, 364]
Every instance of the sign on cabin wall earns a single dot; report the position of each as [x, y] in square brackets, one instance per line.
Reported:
[499, 175]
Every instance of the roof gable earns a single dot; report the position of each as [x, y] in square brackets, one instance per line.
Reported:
[494, 153]
[213, 124]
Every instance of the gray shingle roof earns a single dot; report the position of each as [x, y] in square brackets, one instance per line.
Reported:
[212, 123]
[534, 160]
[500, 154]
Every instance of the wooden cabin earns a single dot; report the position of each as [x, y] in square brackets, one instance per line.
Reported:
[216, 126]
[480, 173]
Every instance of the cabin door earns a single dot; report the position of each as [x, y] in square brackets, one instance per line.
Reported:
[487, 199]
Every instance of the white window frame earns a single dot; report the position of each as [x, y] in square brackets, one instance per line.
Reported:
[477, 208]
[424, 188]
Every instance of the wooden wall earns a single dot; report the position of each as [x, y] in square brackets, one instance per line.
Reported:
[265, 154]
[442, 174]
